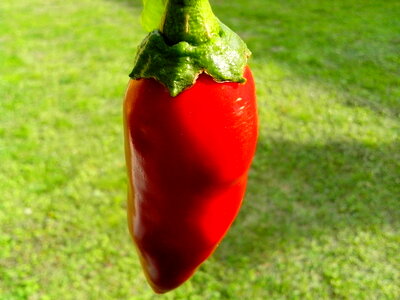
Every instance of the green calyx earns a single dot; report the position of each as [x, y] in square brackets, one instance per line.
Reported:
[191, 40]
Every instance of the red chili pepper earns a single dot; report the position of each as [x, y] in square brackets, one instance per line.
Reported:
[188, 158]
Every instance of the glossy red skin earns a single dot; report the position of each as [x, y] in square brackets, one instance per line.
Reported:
[188, 158]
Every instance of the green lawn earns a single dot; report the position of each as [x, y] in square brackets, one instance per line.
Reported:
[321, 219]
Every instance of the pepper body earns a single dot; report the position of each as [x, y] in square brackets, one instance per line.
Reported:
[188, 159]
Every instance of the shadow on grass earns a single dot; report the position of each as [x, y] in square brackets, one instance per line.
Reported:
[349, 45]
[301, 192]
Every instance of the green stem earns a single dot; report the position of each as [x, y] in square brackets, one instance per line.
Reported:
[192, 21]
[190, 41]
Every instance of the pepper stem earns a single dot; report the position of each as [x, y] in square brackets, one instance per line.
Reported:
[192, 21]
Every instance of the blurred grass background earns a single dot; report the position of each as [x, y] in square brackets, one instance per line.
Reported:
[321, 219]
